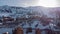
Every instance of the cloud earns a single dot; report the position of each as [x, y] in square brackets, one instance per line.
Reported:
[49, 3]
[18, 2]
[58, 2]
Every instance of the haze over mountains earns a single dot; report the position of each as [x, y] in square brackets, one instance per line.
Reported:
[36, 10]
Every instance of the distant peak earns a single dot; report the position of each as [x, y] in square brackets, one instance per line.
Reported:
[5, 5]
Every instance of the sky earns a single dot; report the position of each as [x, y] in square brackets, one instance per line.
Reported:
[25, 3]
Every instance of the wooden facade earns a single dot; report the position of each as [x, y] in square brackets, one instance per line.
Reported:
[18, 31]
[37, 31]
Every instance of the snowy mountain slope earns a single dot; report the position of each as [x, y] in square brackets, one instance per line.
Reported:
[36, 10]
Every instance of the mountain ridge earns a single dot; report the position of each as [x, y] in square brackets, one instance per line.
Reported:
[31, 9]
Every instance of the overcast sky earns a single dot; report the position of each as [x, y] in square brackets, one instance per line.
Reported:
[45, 3]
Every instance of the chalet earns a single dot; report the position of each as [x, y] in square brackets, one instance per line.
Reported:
[6, 19]
[49, 31]
[38, 31]
[18, 30]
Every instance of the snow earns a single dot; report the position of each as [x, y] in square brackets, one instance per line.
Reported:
[22, 12]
